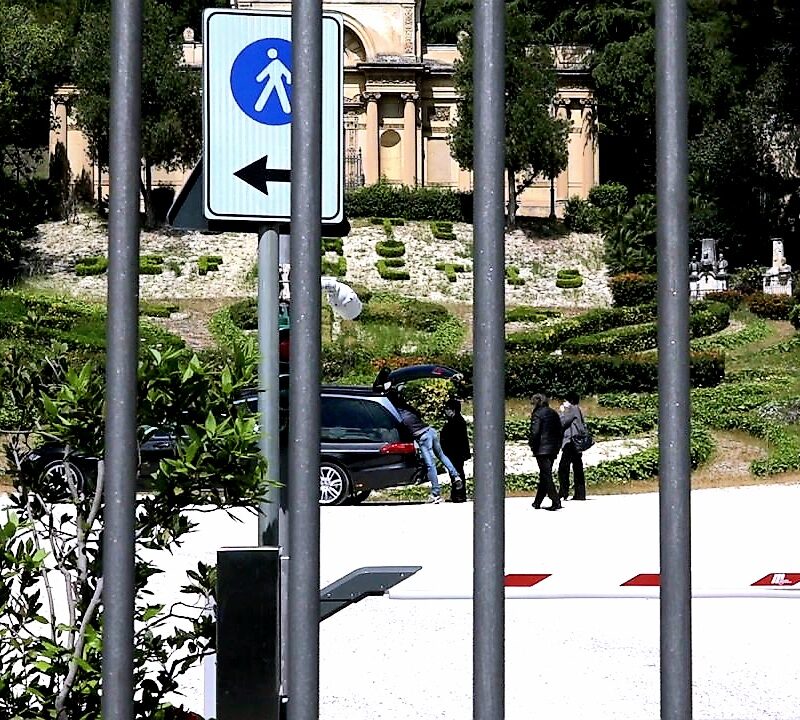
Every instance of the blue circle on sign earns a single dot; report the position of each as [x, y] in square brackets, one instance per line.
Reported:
[261, 81]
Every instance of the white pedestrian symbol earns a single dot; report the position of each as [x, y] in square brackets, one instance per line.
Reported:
[278, 77]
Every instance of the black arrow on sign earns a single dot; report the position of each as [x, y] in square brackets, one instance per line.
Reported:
[258, 175]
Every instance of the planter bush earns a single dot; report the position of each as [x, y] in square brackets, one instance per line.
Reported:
[450, 270]
[332, 244]
[512, 276]
[442, 230]
[151, 264]
[732, 298]
[208, 263]
[772, 307]
[570, 282]
[390, 248]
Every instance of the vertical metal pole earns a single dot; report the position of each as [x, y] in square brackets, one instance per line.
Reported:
[304, 400]
[269, 395]
[673, 359]
[122, 341]
[489, 309]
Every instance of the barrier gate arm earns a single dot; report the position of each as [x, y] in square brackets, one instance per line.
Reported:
[359, 584]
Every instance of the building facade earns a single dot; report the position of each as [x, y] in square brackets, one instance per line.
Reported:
[399, 104]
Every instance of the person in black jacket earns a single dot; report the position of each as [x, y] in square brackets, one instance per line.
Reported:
[455, 444]
[544, 438]
[573, 423]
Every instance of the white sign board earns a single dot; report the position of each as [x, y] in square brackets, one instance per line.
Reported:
[247, 116]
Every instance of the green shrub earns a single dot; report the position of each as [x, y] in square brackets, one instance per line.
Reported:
[747, 280]
[569, 282]
[389, 308]
[244, 314]
[388, 228]
[794, 316]
[568, 273]
[390, 248]
[512, 275]
[580, 215]
[397, 221]
[772, 307]
[527, 313]
[442, 230]
[333, 244]
[394, 262]
[752, 332]
[151, 264]
[550, 337]
[335, 268]
[411, 203]
[629, 237]
[95, 265]
[390, 273]
[608, 195]
[630, 289]
[732, 298]
[450, 270]
[376, 220]
[208, 263]
[157, 309]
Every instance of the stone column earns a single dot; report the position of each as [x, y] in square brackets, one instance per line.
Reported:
[371, 148]
[562, 181]
[410, 138]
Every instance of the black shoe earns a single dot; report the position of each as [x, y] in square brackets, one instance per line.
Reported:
[537, 506]
[578, 498]
[555, 507]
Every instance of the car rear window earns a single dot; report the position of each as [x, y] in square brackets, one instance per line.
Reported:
[353, 420]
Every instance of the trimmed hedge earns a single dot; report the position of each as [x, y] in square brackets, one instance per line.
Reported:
[528, 313]
[390, 273]
[732, 298]
[411, 203]
[568, 273]
[208, 263]
[450, 270]
[390, 248]
[388, 308]
[95, 265]
[630, 289]
[152, 264]
[335, 268]
[332, 244]
[157, 309]
[550, 337]
[442, 230]
[569, 282]
[512, 275]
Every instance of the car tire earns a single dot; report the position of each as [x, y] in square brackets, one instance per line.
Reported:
[53, 482]
[334, 484]
[359, 497]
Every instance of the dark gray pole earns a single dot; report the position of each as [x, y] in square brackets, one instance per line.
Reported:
[268, 383]
[304, 401]
[122, 340]
[673, 359]
[489, 350]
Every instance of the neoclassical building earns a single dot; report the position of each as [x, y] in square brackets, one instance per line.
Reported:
[399, 103]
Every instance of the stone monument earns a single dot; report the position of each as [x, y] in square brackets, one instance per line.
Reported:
[778, 278]
[708, 274]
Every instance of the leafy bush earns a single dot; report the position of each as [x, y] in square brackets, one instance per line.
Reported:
[794, 316]
[629, 289]
[732, 298]
[608, 196]
[568, 273]
[388, 308]
[747, 280]
[244, 314]
[95, 265]
[580, 215]
[752, 332]
[157, 309]
[411, 203]
[772, 307]
[629, 237]
[389, 273]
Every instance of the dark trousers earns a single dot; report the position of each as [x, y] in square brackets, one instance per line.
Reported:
[458, 494]
[571, 458]
[546, 485]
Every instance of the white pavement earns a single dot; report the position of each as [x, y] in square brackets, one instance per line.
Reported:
[385, 659]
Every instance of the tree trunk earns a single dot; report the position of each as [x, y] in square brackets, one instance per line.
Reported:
[552, 198]
[512, 199]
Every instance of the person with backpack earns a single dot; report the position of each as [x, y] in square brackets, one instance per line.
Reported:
[572, 446]
[544, 438]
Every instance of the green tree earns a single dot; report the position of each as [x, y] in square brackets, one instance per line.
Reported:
[171, 110]
[535, 139]
[32, 58]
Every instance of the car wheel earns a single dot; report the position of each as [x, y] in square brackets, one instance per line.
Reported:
[333, 484]
[359, 497]
[53, 478]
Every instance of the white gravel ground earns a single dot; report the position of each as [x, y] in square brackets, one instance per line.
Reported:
[386, 659]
